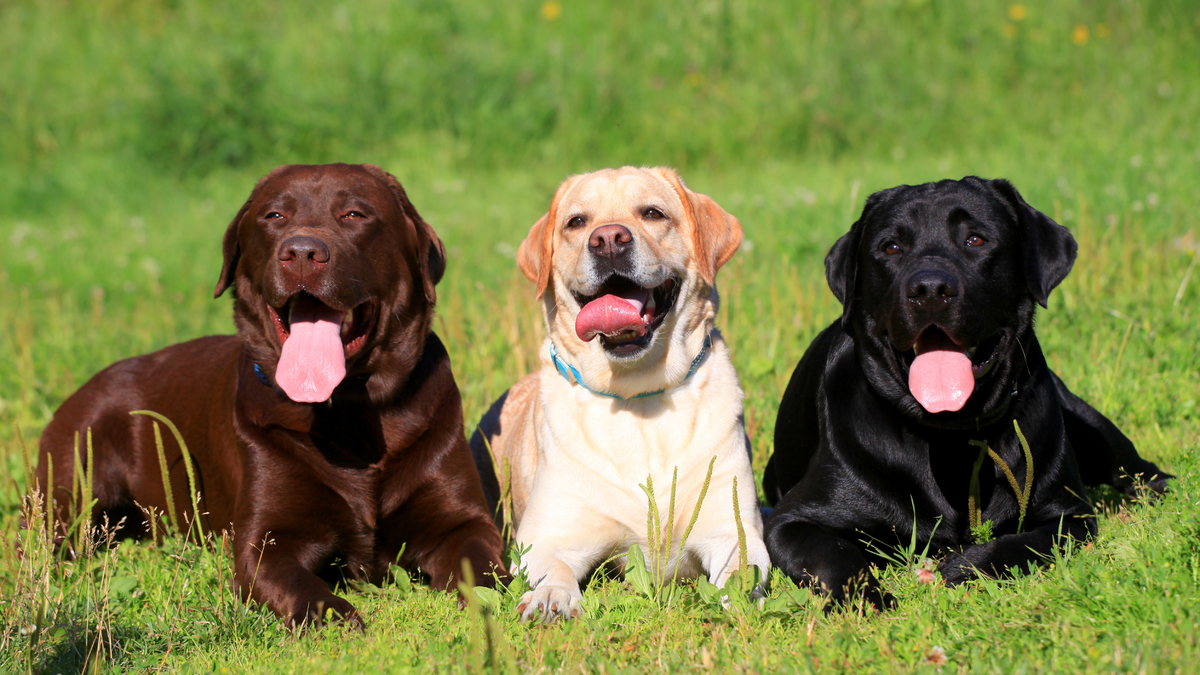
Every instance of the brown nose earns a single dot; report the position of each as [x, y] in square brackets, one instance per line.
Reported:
[304, 249]
[610, 240]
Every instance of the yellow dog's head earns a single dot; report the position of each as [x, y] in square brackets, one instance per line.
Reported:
[625, 262]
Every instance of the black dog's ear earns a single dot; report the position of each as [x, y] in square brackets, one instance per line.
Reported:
[841, 264]
[231, 250]
[1048, 248]
[433, 264]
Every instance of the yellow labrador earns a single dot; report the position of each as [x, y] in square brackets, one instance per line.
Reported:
[635, 383]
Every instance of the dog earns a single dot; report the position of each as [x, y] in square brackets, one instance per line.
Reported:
[328, 429]
[636, 385]
[894, 408]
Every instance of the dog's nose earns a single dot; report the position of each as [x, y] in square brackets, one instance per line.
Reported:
[927, 286]
[610, 240]
[304, 249]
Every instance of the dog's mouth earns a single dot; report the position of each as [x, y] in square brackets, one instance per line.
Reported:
[942, 371]
[623, 314]
[315, 341]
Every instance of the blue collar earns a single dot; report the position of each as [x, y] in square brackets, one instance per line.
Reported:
[261, 377]
[570, 374]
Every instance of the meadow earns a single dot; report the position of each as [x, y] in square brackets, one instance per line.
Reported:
[131, 133]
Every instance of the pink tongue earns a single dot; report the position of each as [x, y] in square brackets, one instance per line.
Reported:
[612, 315]
[941, 380]
[312, 361]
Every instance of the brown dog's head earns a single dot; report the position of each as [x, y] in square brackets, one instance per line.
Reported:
[625, 262]
[334, 274]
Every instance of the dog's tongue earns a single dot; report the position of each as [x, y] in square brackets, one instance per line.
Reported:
[612, 316]
[941, 380]
[312, 361]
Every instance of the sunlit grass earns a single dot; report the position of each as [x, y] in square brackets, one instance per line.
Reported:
[130, 134]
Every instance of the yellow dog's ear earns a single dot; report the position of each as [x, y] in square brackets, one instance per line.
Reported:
[536, 252]
[716, 235]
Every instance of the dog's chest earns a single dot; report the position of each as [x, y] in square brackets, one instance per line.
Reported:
[627, 442]
[363, 456]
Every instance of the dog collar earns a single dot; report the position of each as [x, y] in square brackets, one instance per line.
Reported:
[261, 377]
[570, 374]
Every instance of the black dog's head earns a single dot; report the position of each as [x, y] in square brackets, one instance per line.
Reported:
[938, 284]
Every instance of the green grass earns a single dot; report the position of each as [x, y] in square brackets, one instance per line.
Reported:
[130, 135]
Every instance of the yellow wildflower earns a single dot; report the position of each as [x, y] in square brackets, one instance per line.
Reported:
[1080, 35]
[551, 10]
[1016, 12]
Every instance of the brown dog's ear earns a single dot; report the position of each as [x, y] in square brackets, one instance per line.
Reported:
[1048, 248]
[431, 265]
[716, 235]
[231, 250]
[536, 251]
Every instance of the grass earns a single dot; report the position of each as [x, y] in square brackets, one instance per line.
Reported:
[130, 135]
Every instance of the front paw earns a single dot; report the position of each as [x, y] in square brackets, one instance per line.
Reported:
[325, 611]
[861, 591]
[548, 604]
[961, 566]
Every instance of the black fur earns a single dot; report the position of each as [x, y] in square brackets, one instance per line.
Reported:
[858, 459]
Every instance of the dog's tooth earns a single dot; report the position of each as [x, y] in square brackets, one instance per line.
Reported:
[651, 304]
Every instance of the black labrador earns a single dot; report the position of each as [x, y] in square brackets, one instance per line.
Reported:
[891, 419]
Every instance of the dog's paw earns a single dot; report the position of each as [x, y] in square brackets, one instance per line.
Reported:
[548, 604]
[324, 612]
[759, 595]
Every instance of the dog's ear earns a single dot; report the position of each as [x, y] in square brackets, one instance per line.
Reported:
[716, 235]
[432, 263]
[841, 263]
[535, 254]
[1048, 248]
[231, 250]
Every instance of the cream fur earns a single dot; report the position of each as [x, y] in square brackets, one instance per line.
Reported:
[575, 458]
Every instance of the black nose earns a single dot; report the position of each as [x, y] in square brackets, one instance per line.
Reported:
[925, 287]
[304, 249]
[610, 240]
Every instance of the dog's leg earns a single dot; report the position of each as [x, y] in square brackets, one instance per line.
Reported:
[1104, 454]
[830, 565]
[565, 540]
[273, 571]
[997, 557]
[718, 536]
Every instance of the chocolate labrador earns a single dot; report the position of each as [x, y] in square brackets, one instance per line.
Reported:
[887, 423]
[328, 430]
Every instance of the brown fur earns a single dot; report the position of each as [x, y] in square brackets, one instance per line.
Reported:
[383, 465]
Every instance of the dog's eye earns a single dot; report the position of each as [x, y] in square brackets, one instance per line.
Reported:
[653, 214]
[892, 249]
[273, 215]
[354, 214]
[975, 240]
[575, 222]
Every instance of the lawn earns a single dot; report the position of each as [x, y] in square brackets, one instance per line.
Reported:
[129, 136]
